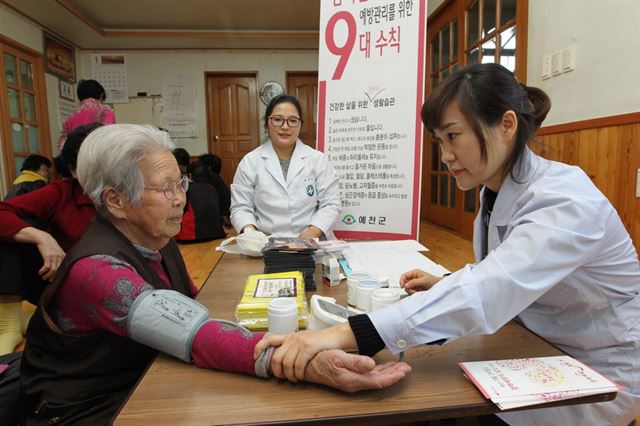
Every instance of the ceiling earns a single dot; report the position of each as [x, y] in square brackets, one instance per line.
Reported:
[180, 24]
[177, 24]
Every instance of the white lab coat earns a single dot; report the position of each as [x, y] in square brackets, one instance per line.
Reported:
[561, 262]
[310, 195]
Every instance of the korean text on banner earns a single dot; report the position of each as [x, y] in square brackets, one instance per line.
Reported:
[370, 92]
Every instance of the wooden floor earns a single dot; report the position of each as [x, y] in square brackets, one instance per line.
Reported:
[446, 247]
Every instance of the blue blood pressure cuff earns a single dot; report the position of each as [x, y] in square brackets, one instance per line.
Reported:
[166, 320]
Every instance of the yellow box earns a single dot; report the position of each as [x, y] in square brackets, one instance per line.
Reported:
[252, 311]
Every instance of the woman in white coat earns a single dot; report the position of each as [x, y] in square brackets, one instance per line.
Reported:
[551, 252]
[284, 186]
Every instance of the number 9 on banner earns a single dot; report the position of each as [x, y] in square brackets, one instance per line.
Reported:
[343, 51]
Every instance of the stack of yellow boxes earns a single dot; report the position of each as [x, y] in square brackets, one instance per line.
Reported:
[252, 311]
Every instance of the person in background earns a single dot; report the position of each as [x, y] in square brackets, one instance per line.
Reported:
[551, 252]
[61, 169]
[34, 174]
[284, 186]
[91, 110]
[183, 158]
[214, 164]
[30, 256]
[201, 220]
[96, 322]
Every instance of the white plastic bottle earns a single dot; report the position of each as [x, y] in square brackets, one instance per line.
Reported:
[383, 297]
[364, 289]
[283, 315]
[352, 281]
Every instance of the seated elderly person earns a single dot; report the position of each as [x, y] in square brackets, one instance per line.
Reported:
[123, 293]
[34, 174]
[37, 229]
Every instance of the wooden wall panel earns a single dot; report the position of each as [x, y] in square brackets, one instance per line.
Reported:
[610, 155]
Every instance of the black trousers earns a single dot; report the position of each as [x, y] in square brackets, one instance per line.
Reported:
[19, 266]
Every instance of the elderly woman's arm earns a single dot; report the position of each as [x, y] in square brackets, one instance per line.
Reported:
[107, 287]
[39, 205]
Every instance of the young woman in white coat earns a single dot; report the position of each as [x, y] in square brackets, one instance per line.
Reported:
[551, 252]
[284, 186]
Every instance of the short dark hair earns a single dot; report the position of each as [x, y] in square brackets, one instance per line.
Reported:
[91, 89]
[182, 156]
[484, 92]
[33, 162]
[200, 173]
[72, 145]
[212, 161]
[281, 99]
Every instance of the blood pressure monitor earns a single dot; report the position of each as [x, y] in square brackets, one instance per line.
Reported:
[325, 312]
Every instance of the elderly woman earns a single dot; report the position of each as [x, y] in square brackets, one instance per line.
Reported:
[123, 293]
[37, 229]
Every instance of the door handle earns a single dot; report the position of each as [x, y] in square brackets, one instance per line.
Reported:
[216, 139]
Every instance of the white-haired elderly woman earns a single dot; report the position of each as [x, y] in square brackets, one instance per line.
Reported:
[122, 294]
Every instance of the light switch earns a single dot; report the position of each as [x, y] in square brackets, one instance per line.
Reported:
[556, 63]
[546, 67]
[569, 59]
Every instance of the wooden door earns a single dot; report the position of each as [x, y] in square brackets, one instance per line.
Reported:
[24, 124]
[232, 118]
[459, 33]
[304, 86]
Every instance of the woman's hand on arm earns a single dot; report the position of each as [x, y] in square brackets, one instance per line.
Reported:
[417, 280]
[295, 350]
[51, 252]
[352, 373]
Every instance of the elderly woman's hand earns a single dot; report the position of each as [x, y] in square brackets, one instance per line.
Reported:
[295, 350]
[352, 373]
[52, 255]
[51, 252]
[417, 280]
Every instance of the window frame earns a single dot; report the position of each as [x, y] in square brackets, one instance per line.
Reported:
[41, 116]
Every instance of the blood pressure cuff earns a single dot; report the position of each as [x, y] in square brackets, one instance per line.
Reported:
[166, 320]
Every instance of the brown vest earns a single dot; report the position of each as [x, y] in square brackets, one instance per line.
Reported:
[66, 378]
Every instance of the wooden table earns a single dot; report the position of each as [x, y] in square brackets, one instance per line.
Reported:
[172, 392]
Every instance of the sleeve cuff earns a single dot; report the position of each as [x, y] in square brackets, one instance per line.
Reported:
[263, 363]
[367, 337]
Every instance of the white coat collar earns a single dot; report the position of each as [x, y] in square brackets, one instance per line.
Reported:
[509, 192]
[272, 162]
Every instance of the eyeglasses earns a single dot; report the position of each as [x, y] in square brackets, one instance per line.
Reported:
[278, 121]
[171, 188]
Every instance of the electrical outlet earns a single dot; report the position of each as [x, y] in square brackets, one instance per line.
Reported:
[568, 59]
[638, 184]
[546, 67]
[556, 63]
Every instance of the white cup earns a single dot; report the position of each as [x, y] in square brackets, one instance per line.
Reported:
[383, 297]
[364, 289]
[283, 315]
[352, 281]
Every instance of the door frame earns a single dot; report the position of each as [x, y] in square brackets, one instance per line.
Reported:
[307, 114]
[42, 113]
[209, 103]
